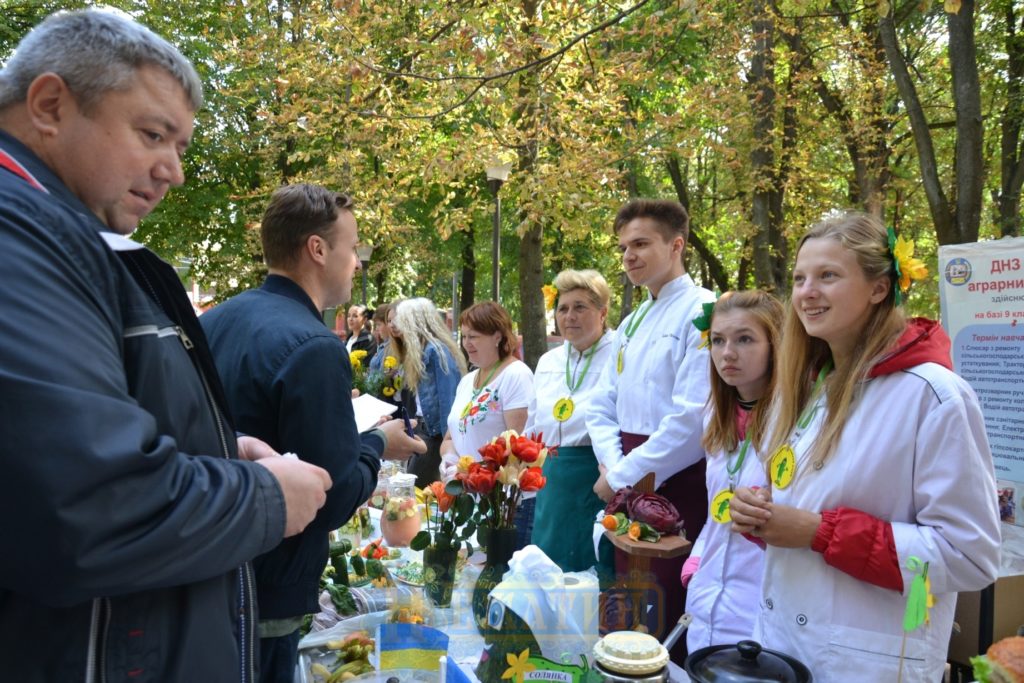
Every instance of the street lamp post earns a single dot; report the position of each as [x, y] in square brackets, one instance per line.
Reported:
[497, 174]
[364, 251]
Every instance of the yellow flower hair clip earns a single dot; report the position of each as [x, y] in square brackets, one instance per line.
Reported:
[906, 266]
[550, 296]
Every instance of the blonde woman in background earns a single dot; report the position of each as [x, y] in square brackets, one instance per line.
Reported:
[431, 367]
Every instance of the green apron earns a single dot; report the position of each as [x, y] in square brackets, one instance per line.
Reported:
[563, 524]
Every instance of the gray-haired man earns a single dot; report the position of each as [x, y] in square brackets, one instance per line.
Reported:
[129, 507]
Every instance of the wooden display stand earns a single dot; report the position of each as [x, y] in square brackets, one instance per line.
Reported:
[639, 556]
[641, 552]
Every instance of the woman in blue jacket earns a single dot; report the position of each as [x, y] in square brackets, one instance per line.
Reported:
[432, 366]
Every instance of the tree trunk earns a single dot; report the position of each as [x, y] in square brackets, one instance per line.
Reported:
[762, 157]
[970, 134]
[531, 255]
[936, 197]
[468, 295]
[714, 264]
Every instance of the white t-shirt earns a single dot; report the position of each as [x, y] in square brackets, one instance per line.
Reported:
[479, 416]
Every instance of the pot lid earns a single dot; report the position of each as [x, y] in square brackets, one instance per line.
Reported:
[745, 662]
[631, 652]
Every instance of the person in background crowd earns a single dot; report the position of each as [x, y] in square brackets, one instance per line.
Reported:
[381, 337]
[432, 366]
[131, 509]
[646, 415]
[288, 382]
[879, 466]
[724, 569]
[359, 336]
[564, 381]
[491, 399]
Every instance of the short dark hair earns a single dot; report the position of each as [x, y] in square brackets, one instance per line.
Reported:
[295, 212]
[670, 216]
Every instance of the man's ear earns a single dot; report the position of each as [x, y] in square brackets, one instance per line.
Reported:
[49, 102]
[316, 248]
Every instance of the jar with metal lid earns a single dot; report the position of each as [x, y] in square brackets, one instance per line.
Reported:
[631, 657]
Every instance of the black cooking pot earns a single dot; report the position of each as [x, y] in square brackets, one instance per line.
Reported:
[745, 662]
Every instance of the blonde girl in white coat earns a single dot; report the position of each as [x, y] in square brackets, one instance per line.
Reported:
[878, 464]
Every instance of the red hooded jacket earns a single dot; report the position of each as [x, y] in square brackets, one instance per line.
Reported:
[853, 541]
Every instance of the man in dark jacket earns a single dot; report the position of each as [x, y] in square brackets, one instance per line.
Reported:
[289, 382]
[128, 513]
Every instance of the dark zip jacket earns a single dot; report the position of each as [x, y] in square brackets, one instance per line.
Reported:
[127, 517]
[289, 382]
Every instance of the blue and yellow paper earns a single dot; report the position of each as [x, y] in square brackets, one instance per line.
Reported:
[410, 646]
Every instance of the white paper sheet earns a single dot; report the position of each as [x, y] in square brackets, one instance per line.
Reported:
[369, 410]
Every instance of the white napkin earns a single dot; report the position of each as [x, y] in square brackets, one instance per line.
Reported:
[560, 608]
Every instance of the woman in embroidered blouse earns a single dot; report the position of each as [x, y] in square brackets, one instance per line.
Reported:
[432, 365]
[493, 398]
[565, 378]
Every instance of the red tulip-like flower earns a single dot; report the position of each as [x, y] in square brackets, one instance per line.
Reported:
[480, 479]
[526, 449]
[532, 479]
[495, 452]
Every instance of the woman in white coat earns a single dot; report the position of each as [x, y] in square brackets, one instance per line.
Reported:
[878, 463]
[723, 571]
[565, 380]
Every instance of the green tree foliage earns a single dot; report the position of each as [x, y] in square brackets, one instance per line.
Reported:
[759, 122]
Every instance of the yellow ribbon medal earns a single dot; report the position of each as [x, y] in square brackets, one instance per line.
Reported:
[719, 508]
[782, 469]
[635, 319]
[563, 409]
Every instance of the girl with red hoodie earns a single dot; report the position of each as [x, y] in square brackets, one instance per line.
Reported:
[878, 465]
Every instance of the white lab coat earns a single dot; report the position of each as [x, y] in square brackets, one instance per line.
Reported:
[913, 452]
[661, 391]
[723, 594]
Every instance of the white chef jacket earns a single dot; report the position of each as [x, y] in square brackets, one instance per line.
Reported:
[549, 387]
[722, 595]
[914, 453]
[661, 391]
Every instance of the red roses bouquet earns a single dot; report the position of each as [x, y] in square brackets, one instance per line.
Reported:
[510, 466]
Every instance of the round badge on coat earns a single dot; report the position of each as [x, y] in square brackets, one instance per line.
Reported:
[719, 510]
[783, 467]
[563, 409]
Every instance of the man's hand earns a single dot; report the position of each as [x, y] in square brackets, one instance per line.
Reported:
[252, 449]
[602, 489]
[400, 446]
[304, 487]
